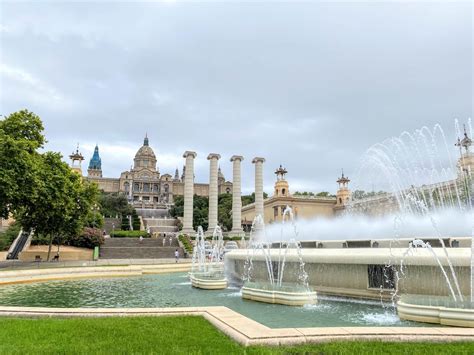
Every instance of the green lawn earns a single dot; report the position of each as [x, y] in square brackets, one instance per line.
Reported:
[182, 335]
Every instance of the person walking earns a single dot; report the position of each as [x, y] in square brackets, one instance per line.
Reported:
[176, 255]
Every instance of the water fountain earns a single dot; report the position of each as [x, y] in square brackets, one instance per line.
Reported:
[412, 167]
[274, 289]
[207, 271]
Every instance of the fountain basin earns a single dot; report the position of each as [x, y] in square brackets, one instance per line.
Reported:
[286, 295]
[438, 310]
[208, 280]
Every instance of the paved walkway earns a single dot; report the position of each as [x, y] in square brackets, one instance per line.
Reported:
[18, 265]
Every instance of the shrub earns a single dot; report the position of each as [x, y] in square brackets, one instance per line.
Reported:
[135, 221]
[89, 238]
[125, 223]
[186, 241]
[130, 234]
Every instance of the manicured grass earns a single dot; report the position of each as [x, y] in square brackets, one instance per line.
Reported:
[177, 335]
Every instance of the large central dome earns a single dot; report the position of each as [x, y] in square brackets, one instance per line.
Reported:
[145, 157]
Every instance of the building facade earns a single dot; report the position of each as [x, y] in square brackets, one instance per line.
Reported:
[302, 206]
[144, 185]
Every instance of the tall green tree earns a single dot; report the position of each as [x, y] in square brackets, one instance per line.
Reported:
[21, 135]
[114, 204]
[62, 202]
[40, 190]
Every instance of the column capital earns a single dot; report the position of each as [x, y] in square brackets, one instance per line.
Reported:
[258, 159]
[236, 157]
[213, 155]
[187, 153]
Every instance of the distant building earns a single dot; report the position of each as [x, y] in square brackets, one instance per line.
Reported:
[143, 184]
[302, 206]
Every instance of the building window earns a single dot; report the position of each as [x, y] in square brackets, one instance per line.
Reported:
[283, 192]
[146, 198]
[126, 187]
[167, 188]
[381, 276]
[146, 187]
[136, 187]
[227, 190]
[275, 212]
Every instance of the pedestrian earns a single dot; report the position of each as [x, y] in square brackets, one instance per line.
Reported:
[176, 255]
[141, 239]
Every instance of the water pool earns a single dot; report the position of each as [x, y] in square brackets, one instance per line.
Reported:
[174, 290]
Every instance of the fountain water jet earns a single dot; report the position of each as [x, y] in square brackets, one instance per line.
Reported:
[275, 290]
[207, 270]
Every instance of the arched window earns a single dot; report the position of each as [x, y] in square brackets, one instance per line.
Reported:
[227, 190]
[340, 200]
[166, 188]
[283, 192]
[126, 186]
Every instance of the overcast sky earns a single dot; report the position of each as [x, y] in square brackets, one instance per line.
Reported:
[309, 85]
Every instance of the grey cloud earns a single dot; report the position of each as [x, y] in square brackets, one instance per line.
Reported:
[310, 86]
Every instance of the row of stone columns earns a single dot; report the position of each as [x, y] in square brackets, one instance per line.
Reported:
[213, 191]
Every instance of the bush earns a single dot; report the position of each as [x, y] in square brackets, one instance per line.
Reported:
[130, 234]
[90, 238]
[135, 221]
[186, 241]
[125, 226]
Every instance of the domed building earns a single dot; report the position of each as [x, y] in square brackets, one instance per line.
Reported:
[143, 184]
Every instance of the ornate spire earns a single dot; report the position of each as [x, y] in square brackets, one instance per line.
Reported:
[95, 163]
[176, 174]
[343, 181]
[280, 173]
[220, 176]
[145, 141]
[76, 155]
[465, 143]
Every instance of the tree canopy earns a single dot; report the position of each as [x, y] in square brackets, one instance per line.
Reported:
[39, 189]
[312, 194]
[114, 204]
[21, 135]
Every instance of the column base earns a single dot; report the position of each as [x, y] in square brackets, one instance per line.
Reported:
[188, 231]
[237, 233]
[209, 233]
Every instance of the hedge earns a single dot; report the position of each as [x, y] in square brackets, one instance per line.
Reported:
[188, 246]
[130, 234]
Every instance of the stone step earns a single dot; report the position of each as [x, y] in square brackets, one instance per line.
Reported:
[132, 248]
[138, 253]
[130, 242]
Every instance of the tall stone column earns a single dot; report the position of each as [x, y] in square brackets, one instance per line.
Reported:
[212, 220]
[236, 196]
[188, 193]
[259, 186]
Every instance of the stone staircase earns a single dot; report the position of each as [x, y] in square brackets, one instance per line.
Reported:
[161, 225]
[132, 248]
